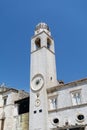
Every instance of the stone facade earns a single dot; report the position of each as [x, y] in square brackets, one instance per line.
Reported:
[70, 106]
[23, 121]
[8, 109]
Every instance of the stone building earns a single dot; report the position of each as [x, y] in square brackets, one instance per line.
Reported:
[22, 117]
[53, 104]
[8, 109]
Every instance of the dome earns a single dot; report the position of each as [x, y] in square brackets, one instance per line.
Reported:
[42, 26]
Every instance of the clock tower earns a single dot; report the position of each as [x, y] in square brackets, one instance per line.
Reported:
[42, 76]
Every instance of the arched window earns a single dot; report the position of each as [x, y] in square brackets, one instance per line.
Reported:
[48, 43]
[38, 43]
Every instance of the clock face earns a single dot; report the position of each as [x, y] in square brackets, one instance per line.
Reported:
[37, 82]
[37, 103]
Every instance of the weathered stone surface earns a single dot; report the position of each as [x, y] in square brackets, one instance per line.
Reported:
[9, 118]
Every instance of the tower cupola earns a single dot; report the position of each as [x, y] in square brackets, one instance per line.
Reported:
[42, 27]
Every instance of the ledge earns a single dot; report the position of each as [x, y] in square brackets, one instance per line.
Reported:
[69, 107]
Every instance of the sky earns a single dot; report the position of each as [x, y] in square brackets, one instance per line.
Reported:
[67, 20]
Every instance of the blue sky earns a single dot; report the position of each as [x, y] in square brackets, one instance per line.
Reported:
[67, 20]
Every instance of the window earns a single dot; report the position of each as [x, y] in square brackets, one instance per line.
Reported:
[5, 100]
[2, 124]
[48, 43]
[55, 120]
[35, 112]
[52, 103]
[38, 43]
[76, 97]
[80, 118]
[40, 110]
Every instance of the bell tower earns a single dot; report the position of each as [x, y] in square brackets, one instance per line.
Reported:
[42, 76]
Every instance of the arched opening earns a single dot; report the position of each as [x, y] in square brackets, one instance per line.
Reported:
[38, 43]
[48, 43]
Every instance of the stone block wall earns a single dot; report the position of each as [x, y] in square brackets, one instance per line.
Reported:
[23, 121]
